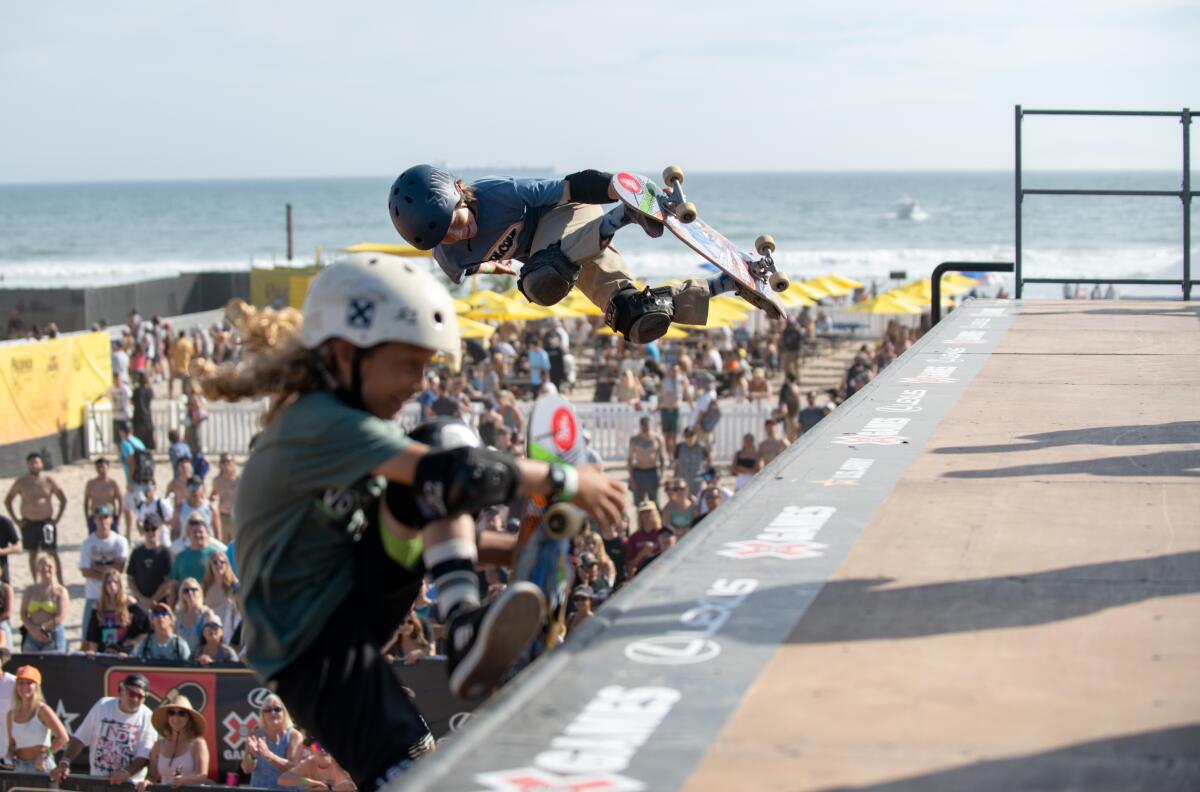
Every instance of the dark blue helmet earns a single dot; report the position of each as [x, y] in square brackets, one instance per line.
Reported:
[422, 203]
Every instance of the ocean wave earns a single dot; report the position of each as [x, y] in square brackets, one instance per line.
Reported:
[675, 262]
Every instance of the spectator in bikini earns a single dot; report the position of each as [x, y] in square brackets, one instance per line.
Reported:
[274, 747]
[44, 608]
[177, 493]
[679, 512]
[102, 491]
[746, 462]
[38, 518]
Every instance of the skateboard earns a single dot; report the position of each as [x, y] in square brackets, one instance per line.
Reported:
[543, 550]
[756, 279]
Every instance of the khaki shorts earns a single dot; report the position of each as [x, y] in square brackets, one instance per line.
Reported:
[576, 227]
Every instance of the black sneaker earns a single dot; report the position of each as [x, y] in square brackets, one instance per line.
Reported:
[483, 643]
[652, 227]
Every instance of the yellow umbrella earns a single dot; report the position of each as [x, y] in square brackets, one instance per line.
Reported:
[958, 279]
[889, 303]
[794, 299]
[485, 297]
[469, 328]
[674, 332]
[805, 291]
[461, 306]
[829, 286]
[922, 291]
[731, 302]
[579, 302]
[504, 310]
[559, 310]
[392, 250]
[849, 283]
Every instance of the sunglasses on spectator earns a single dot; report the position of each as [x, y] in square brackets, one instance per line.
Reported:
[161, 614]
[177, 713]
[191, 590]
[134, 693]
[273, 710]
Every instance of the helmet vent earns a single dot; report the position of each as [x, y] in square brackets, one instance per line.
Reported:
[437, 316]
[408, 199]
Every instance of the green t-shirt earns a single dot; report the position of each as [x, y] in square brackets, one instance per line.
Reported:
[300, 506]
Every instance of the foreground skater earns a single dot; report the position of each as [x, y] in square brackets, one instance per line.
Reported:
[328, 572]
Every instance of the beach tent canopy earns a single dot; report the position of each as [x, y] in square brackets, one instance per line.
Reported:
[890, 303]
[469, 328]
[390, 249]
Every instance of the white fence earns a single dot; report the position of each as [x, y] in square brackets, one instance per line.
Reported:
[230, 426]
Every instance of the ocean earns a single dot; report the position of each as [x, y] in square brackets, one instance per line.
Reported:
[849, 223]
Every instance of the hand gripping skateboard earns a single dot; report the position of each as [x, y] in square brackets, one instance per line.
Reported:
[543, 552]
[756, 279]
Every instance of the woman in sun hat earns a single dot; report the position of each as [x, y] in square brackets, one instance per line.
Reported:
[180, 757]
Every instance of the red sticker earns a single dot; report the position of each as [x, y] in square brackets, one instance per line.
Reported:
[629, 182]
[563, 427]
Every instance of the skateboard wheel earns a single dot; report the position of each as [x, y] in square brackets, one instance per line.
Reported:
[672, 174]
[779, 282]
[686, 212]
[765, 244]
[562, 521]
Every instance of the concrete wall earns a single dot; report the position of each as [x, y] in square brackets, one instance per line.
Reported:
[78, 309]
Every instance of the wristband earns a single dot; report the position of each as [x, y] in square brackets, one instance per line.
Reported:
[564, 482]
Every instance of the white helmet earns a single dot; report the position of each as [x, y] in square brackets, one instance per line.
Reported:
[371, 298]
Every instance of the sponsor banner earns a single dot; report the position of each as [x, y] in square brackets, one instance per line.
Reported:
[44, 385]
[274, 287]
[229, 697]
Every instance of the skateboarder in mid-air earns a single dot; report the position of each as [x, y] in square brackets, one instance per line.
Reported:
[558, 233]
[343, 514]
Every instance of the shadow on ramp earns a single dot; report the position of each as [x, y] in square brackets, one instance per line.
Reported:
[859, 610]
[1149, 434]
[1159, 463]
[1166, 760]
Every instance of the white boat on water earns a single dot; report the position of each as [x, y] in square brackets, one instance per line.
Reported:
[909, 209]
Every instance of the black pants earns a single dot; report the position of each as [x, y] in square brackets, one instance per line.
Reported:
[342, 692]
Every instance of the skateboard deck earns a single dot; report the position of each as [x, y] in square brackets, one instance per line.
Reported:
[543, 554]
[644, 195]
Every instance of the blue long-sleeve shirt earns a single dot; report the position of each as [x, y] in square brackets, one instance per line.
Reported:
[507, 213]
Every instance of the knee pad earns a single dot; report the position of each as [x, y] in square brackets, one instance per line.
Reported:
[548, 276]
[640, 316]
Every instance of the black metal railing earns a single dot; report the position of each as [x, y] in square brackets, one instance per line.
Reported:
[935, 288]
[1184, 194]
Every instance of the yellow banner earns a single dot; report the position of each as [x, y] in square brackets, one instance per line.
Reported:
[272, 287]
[44, 385]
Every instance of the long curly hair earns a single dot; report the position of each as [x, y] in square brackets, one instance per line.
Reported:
[274, 361]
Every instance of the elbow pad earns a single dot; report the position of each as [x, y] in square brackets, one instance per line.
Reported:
[590, 186]
[454, 481]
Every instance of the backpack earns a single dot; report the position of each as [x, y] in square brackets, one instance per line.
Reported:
[711, 416]
[142, 466]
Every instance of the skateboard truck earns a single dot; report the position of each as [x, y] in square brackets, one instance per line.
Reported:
[764, 269]
[677, 203]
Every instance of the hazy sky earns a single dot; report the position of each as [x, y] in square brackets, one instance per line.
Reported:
[191, 88]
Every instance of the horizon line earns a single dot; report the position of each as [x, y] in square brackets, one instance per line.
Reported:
[557, 172]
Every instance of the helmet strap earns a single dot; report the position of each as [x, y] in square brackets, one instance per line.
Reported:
[352, 396]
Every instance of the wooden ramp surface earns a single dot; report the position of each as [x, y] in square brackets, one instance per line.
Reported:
[983, 572]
